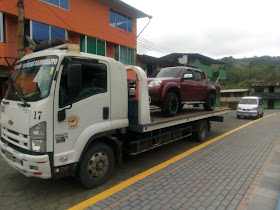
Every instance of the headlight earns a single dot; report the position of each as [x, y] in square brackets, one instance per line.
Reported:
[255, 108]
[238, 108]
[38, 137]
[155, 83]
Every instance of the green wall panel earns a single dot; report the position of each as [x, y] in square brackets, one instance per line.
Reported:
[265, 104]
[208, 70]
[277, 104]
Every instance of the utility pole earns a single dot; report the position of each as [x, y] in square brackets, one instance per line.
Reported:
[20, 29]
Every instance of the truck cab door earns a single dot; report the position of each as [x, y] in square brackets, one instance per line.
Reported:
[199, 86]
[83, 106]
[187, 85]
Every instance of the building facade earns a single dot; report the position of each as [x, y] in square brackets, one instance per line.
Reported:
[231, 97]
[270, 93]
[103, 27]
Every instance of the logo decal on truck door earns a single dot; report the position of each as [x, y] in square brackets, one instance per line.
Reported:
[72, 122]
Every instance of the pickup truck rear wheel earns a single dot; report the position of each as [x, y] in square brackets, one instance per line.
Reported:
[97, 165]
[170, 106]
[210, 102]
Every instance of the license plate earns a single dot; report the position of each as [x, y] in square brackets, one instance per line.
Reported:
[9, 156]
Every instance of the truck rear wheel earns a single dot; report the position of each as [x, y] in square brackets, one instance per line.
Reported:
[170, 106]
[201, 131]
[97, 165]
[210, 102]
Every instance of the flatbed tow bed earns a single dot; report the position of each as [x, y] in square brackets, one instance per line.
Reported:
[184, 116]
[163, 130]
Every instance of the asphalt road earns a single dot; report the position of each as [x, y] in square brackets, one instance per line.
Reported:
[18, 191]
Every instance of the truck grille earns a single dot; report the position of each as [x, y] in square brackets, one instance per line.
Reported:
[18, 139]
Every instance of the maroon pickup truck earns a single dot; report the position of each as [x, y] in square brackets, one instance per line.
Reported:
[174, 86]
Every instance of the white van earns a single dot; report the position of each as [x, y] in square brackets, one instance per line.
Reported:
[250, 106]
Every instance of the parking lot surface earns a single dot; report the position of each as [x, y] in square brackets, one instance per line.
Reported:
[221, 175]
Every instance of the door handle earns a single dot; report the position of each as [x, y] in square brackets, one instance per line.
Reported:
[194, 84]
[105, 113]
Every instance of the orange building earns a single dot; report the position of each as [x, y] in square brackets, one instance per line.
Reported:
[103, 27]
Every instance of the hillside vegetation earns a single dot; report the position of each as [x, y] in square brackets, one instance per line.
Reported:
[241, 72]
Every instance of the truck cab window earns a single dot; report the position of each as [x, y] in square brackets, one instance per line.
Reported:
[94, 81]
[197, 76]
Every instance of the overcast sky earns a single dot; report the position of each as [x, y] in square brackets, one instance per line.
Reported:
[214, 28]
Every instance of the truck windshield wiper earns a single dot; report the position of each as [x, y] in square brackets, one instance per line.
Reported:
[20, 96]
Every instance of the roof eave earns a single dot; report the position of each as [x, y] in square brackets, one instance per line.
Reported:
[139, 14]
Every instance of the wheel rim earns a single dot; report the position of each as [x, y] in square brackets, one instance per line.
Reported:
[203, 132]
[173, 106]
[98, 165]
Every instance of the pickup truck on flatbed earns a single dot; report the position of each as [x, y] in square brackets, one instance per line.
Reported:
[175, 86]
[68, 113]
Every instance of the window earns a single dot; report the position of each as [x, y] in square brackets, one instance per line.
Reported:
[42, 32]
[92, 45]
[197, 76]
[259, 90]
[94, 81]
[124, 54]
[169, 72]
[238, 94]
[120, 20]
[60, 3]
[1, 27]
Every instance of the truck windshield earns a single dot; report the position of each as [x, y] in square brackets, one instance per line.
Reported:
[249, 101]
[169, 72]
[32, 79]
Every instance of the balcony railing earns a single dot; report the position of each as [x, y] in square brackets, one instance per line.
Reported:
[265, 96]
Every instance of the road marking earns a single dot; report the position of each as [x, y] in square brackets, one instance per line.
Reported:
[130, 181]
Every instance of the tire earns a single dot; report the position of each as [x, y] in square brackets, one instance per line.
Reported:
[238, 116]
[170, 106]
[201, 131]
[96, 166]
[210, 102]
[261, 115]
[257, 117]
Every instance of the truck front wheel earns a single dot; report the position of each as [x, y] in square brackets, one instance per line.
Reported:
[97, 165]
[210, 102]
[170, 106]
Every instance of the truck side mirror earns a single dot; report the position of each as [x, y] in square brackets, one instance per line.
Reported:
[74, 76]
[188, 76]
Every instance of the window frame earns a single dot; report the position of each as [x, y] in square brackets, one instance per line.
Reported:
[128, 21]
[96, 46]
[59, 4]
[118, 47]
[49, 29]
[2, 27]
[85, 62]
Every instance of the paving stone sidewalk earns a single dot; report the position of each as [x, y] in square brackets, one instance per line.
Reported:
[217, 176]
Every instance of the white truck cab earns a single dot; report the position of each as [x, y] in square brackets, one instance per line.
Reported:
[57, 101]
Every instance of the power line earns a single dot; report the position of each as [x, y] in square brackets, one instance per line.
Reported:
[58, 17]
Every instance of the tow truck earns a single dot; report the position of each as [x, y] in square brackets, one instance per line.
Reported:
[69, 113]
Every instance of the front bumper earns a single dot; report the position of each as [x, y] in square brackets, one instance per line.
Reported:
[28, 165]
[155, 94]
[251, 113]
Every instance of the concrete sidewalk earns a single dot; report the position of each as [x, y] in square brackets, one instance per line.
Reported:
[223, 175]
